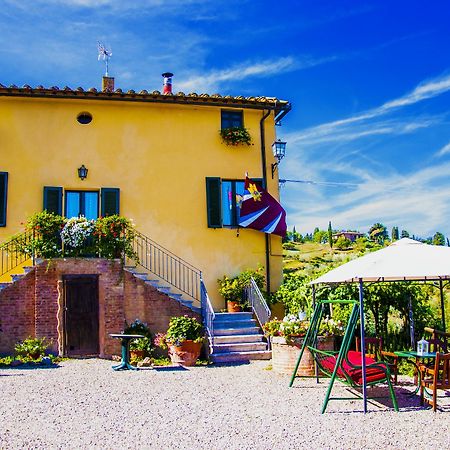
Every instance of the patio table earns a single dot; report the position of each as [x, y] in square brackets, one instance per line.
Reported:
[414, 358]
[125, 344]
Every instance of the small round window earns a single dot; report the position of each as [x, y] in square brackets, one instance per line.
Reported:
[84, 118]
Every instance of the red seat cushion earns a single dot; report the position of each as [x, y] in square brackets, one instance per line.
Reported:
[372, 373]
[354, 358]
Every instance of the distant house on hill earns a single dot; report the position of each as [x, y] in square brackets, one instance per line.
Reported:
[350, 235]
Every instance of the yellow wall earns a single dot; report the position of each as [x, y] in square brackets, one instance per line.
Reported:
[157, 154]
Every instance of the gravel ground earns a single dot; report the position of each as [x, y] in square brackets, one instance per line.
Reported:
[84, 404]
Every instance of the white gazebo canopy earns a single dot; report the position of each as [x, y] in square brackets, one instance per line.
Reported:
[403, 260]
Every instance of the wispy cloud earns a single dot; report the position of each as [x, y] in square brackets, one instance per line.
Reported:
[426, 90]
[214, 79]
[444, 150]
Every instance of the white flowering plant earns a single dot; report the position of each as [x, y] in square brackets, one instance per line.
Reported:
[76, 235]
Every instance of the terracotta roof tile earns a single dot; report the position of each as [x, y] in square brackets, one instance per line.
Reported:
[146, 96]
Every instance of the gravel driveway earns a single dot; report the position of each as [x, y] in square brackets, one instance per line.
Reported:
[84, 404]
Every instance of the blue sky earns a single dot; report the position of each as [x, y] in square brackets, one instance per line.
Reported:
[369, 82]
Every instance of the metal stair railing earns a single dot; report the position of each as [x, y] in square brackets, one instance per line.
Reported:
[208, 313]
[258, 304]
[12, 252]
[167, 266]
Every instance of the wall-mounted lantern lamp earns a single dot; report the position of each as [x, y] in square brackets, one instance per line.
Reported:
[82, 172]
[279, 150]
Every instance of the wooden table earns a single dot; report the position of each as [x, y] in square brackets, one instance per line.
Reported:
[125, 344]
[414, 358]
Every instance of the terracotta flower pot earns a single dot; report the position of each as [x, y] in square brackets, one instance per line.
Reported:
[233, 307]
[185, 354]
[285, 354]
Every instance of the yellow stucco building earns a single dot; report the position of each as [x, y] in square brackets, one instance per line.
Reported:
[155, 158]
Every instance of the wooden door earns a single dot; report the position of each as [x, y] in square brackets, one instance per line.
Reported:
[81, 315]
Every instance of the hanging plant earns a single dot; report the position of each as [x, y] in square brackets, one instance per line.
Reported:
[235, 136]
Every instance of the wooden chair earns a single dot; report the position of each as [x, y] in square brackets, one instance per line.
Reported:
[440, 340]
[374, 349]
[435, 378]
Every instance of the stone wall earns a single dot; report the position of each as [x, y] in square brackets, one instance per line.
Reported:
[33, 305]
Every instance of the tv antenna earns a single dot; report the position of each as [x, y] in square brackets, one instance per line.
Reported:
[104, 54]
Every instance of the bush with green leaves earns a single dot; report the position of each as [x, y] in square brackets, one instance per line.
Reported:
[45, 228]
[31, 348]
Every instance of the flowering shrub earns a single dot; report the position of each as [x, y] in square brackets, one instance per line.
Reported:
[181, 328]
[115, 236]
[235, 136]
[53, 236]
[291, 326]
[45, 228]
[76, 234]
[331, 327]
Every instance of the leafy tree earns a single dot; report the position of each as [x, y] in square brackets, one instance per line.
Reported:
[378, 233]
[330, 234]
[394, 234]
[320, 236]
[438, 238]
[342, 243]
[404, 234]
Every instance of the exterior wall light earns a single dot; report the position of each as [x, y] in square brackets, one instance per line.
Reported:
[82, 172]
[279, 151]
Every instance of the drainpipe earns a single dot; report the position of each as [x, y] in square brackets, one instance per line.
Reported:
[264, 175]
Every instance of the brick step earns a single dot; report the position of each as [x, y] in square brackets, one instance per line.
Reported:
[236, 331]
[167, 290]
[239, 347]
[238, 338]
[240, 356]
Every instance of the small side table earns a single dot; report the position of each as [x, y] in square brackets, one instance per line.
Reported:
[413, 358]
[125, 344]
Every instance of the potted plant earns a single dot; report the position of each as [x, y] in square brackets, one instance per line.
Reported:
[287, 336]
[235, 136]
[184, 340]
[141, 347]
[231, 291]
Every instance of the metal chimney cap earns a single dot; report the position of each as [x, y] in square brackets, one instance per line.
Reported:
[167, 74]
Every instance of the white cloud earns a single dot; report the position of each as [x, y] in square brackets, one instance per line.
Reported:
[328, 131]
[444, 150]
[214, 79]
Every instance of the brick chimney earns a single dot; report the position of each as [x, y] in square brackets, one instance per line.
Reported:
[108, 84]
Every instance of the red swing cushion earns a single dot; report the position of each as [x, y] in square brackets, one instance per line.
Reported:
[354, 358]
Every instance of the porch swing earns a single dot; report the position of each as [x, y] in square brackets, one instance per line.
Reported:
[345, 365]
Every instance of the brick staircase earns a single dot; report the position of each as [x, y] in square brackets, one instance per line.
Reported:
[162, 287]
[237, 338]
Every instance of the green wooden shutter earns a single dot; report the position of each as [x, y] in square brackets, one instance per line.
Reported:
[53, 199]
[110, 201]
[3, 197]
[213, 202]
